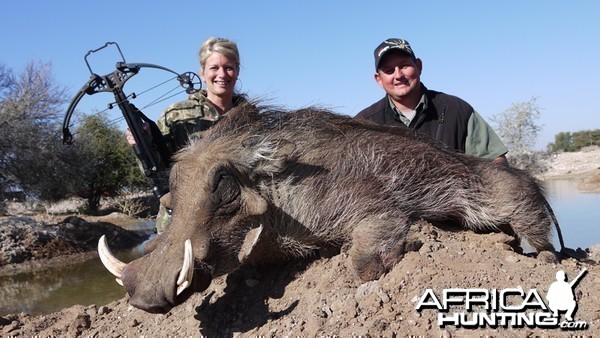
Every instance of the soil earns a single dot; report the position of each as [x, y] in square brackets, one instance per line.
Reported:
[582, 167]
[323, 296]
[27, 243]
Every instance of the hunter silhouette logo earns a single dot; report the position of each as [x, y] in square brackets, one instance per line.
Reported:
[511, 307]
[561, 296]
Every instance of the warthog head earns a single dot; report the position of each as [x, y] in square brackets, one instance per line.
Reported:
[215, 225]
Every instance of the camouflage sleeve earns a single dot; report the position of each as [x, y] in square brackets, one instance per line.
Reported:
[482, 140]
[162, 124]
[187, 119]
[180, 111]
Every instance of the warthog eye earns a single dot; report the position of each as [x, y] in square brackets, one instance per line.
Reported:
[226, 190]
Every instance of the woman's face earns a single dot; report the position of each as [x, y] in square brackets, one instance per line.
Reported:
[220, 74]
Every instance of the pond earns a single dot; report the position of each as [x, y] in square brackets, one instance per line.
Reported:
[578, 213]
[89, 283]
[50, 290]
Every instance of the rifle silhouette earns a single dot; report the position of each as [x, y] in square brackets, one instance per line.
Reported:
[576, 279]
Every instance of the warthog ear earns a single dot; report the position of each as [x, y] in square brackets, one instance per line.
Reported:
[268, 156]
[250, 241]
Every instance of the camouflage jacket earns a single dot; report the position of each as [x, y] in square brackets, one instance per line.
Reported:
[185, 120]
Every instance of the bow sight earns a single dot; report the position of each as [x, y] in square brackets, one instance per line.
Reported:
[150, 148]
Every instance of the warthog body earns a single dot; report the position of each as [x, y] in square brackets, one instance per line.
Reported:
[271, 186]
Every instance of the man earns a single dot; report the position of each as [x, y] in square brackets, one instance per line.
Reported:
[445, 118]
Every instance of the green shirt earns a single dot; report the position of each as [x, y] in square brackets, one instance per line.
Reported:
[482, 140]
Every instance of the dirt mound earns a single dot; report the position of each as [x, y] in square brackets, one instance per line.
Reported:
[24, 240]
[323, 297]
[582, 167]
[87, 233]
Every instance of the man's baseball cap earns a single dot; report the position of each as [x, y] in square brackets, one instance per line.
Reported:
[389, 45]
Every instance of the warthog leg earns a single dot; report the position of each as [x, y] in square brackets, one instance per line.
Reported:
[377, 245]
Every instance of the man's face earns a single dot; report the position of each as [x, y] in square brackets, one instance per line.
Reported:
[399, 75]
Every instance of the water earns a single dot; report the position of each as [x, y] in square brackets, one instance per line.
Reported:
[50, 290]
[89, 282]
[578, 213]
[53, 289]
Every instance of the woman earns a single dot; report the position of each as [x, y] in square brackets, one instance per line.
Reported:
[219, 70]
[185, 120]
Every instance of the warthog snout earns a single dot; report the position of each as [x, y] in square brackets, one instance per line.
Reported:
[187, 278]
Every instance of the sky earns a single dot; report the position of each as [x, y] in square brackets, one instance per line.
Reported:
[299, 53]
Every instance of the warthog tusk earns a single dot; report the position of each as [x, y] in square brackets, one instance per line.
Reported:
[187, 270]
[110, 262]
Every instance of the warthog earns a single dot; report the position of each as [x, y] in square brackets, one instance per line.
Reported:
[268, 186]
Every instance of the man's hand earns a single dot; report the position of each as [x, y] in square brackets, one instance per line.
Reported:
[501, 160]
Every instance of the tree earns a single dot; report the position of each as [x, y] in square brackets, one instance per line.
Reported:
[32, 156]
[6, 81]
[562, 142]
[566, 141]
[30, 106]
[6, 78]
[101, 162]
[585, 138]
[517, 128]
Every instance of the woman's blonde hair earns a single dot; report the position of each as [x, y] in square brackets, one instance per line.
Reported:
[221, 45]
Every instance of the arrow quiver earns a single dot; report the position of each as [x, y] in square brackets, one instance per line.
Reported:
[150, 147]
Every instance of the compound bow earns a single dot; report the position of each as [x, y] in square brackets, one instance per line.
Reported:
[153, 161]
